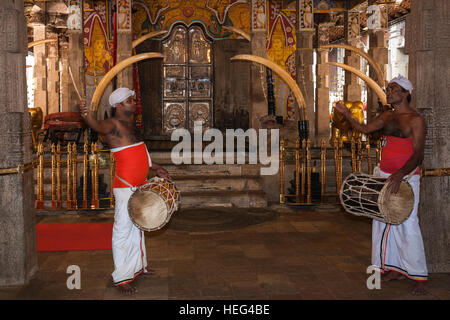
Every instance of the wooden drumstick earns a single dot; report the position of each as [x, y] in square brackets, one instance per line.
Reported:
[73, 82]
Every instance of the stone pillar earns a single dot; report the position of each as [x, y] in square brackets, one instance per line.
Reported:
[40, 69]
[322, 85]
[352, 89]
[378, 50]
[305, 59]
[74, 58]
[124, 42]
[258, 88]
[427, 29]
[53, 75]
[18, 258]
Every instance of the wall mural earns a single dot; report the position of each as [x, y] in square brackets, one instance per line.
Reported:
[153, 15]
[281, 45]
[97, 47]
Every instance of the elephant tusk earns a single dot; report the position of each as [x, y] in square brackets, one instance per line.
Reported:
[152, 34]
[370, 60]
[372, 84]
[37, 42]
[282, 73]
[239, 32]
[98, 93]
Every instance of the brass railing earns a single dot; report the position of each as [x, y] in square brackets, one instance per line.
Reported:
[89, 159]
[356, 152]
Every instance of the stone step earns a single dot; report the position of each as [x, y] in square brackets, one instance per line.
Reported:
[214, 199]
[217, 183]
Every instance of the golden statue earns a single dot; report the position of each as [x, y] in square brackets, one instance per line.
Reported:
[36, 123]
[341, 128]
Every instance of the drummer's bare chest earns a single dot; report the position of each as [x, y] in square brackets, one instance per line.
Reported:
[126, 130]
[397, 126]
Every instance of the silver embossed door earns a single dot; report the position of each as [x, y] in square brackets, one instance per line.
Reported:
[187, 74]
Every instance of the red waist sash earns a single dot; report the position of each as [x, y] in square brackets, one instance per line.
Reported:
[395, 153]
[132, 164]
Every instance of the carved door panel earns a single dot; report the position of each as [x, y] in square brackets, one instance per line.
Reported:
[187, 80]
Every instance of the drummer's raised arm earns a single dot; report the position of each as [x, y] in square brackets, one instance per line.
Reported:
[374, 125]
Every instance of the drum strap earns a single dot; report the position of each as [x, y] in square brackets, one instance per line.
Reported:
[124, 181]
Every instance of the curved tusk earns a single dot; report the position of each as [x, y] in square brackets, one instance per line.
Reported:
[370, 60]
[37, 42]
[152, 34]
[282, 73]
[98, 93]
[239, 32]
[372, 84]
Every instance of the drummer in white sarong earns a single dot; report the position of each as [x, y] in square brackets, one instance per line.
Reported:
[132, 164]
[397, 250]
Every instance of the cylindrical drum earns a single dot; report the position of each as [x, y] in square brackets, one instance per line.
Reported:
[366, 195]
[152, 204]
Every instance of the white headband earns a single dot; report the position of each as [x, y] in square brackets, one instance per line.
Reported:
[403, 82]
[119, 95]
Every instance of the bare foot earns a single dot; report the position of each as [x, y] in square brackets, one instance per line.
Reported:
[419, 288]
[392, 275]
[149, 272]
[127, 289]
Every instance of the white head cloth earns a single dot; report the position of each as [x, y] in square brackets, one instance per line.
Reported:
[403, 82]
[119, 95]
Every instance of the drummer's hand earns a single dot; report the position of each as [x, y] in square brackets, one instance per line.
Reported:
[394, 181]
[341, 108]
[161, 172]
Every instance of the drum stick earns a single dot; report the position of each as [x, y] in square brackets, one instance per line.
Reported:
[73, 81]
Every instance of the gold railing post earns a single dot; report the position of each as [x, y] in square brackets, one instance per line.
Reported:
[340, 149]
[378, 151]
[69, 174]
[323, 165]
[40, 177]
[359, 155]
[308, 170]
[282, 200]
[297, 170]
[53, 157]
[74, 176]
[336, 162]
[303, 165]
[85, 174]
[94, 176]
[111, 179]
[352, 146]
[369, 160]
[58, 176]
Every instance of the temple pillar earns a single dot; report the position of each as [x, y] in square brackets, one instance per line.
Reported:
[18, 258]
[352, 88]
[124, 42]
[305, 59]
[379, 51]
[52, 75]
[40, 69]
[428, 49]
[258, 87]
[322, 85]
[74, 58]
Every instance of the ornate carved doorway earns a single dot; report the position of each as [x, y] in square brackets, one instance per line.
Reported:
[187, 73]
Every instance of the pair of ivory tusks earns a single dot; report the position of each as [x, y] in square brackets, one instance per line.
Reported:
[372, 84]
[362, 53]
[283, 75]
[98, 93]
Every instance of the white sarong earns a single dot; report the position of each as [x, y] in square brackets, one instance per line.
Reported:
[128, 242]
[400, 247]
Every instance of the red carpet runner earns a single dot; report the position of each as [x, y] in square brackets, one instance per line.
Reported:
[71, 237]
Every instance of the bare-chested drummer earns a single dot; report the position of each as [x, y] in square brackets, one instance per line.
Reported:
[132, 165]
[397, 250]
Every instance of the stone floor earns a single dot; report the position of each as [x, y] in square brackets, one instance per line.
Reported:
[298, 254]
